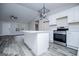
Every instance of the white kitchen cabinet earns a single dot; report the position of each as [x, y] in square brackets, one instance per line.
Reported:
[76, 14]
[37, 41]
[53, 18]
[73, 39]
[73, 14]
[62, 22]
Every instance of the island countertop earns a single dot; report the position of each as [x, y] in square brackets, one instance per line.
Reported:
[35, 31]
[12, 34]
[21, 33]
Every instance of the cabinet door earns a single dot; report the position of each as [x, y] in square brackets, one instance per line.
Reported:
[71, 16]
[73, 39]
[76, 14]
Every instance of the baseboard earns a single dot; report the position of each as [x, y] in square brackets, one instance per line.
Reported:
[69, 46]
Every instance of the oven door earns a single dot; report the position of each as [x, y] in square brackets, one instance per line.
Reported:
[60, 37]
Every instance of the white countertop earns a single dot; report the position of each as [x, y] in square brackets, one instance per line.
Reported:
[35, 31]
[22, 33]
[12, 34]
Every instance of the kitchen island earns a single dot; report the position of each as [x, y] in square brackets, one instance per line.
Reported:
[37, 41]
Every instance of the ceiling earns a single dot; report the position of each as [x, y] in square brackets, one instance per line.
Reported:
[53, 7]
[29, 11]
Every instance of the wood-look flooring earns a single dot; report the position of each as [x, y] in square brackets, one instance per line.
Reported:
[20, 49]
[58, 50]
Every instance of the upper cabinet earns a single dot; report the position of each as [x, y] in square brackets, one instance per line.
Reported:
[77, 14]
[73, 15]
[62, 22]
[53, 18]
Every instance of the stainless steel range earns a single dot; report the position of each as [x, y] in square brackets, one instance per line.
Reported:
[60, 36]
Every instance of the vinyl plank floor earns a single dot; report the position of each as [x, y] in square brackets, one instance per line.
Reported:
[58, 50]
[20, 49]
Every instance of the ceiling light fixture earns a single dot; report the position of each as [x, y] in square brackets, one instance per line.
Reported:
[13, 18]
[43, 12]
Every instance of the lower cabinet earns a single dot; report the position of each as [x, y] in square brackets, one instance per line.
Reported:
[73, 40]
[38, 42]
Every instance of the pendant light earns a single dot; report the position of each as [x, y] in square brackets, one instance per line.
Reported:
[43, 12]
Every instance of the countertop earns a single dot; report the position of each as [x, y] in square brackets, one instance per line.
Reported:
[22, 33]
[35, 31]
[12, 34]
